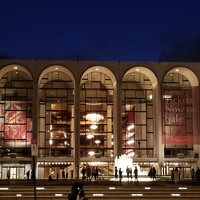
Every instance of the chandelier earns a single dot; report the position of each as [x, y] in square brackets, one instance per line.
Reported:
[94, 117]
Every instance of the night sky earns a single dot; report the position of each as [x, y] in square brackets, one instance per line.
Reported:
[107, 30]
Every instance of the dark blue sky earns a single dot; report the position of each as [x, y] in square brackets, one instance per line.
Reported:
[125, 30]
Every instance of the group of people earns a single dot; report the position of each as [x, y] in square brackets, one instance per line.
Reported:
[129, 173]
[88, 173]
[152, 173]
[195, 174]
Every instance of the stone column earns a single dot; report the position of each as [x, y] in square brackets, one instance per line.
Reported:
[76, 129]
[35, 110]
[117, 111]
[158, 145]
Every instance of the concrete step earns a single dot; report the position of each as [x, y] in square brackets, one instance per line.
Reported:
[100, 192]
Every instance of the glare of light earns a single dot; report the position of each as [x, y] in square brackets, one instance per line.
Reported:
[97, 195]
[58, 195]
[18, 195]
[39, 188]
[97, 141]
[182, 188]
[167, 96]
[138, 195]
[137, 69]
[50, 141]
[111, 188]
[4, 188]
[130, 142]
[93, 126]
[130, 134]
[91, 153]
[94, 117]
[177, 70]
[130, 127]
[15, 67]
[131, 154]
[90, 136]
[175, 195]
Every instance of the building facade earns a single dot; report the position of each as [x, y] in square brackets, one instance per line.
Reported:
[64, 114]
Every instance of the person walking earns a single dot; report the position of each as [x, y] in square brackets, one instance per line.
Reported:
[28, 175]
[176, 175]
[154, 173]
[136, 173]
[116, 174]
[8, 174]
[63, 174]
[131, 173]
[198, 174]
[120, 175]
[127, 172]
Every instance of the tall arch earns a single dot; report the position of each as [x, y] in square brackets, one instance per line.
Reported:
[180, 92]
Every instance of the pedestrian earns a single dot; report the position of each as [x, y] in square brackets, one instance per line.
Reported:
[154, 173]
[150, 174]
[116, 174]
[83, 173]
[8, 174]
[72, 174]
[127, 172]
[97, 173]
[93, 173]
[120, 175]
[198, 174]
[136, 173]
[131, 173]
[28, 175]
[172, 175]
[176, 175]
[63, 174]
[88, 173]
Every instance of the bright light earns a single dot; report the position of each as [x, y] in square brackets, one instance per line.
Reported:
[91, 153]
[97, 141]
[130, 127]
[130, 142]
[90, 136]
[93, 126]
[131, 154]
[94, 117]
[130, 134]
[50, 141]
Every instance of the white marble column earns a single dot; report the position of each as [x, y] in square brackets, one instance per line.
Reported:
[158, 130]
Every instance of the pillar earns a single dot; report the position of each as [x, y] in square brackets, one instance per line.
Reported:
[76, 129]
[158, 145]
[117, 120]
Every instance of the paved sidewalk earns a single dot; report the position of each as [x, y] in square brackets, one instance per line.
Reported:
[105, 182]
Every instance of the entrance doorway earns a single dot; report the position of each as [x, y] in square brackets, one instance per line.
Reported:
[16, 172]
